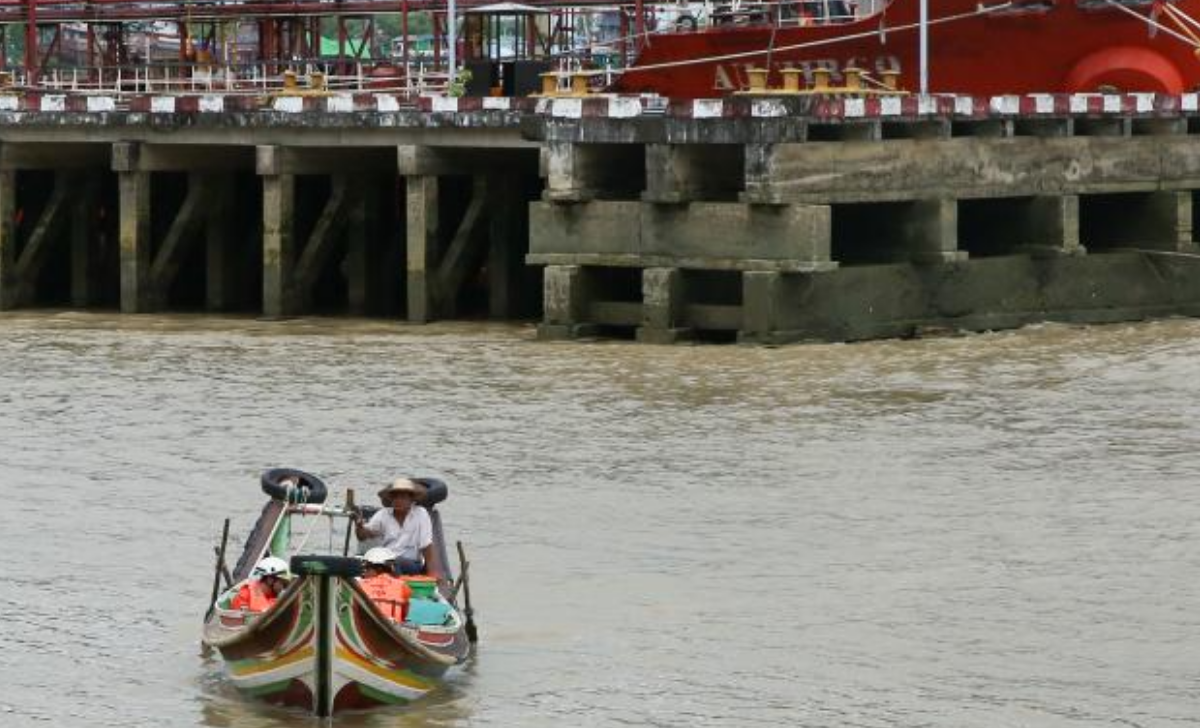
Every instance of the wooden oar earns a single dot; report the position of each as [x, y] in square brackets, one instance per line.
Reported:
[472, 632]
[224, 568]
[220, 567]
[349, 521]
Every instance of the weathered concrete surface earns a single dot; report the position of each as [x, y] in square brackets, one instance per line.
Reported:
[251, 128]
[883, 301]
[662, 306]
[677, 173]
[710, 235]
[906, 169]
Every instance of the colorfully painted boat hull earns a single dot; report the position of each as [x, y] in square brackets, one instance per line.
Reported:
[324, 648]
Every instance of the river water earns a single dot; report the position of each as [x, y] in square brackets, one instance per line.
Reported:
[995, 530]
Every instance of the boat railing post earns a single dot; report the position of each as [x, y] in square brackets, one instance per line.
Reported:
[924, 51]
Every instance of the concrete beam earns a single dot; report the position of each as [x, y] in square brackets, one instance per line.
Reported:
[131, 157]
[41, 155]
[281, 160]
[968, 167]
[706, 235]
[414, 160]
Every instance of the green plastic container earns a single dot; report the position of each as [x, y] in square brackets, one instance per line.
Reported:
[423, 589]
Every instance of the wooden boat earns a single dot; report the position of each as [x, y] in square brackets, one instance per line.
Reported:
[324, 645]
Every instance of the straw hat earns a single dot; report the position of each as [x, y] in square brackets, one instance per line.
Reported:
[403, 485]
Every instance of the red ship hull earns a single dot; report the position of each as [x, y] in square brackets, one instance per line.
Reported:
[1066, 46]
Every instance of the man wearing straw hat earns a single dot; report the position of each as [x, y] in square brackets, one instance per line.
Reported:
[403, 527]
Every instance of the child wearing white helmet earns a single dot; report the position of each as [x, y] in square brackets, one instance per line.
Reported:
[267, 581]
[389, 592]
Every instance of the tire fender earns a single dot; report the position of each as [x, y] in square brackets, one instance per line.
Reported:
[310, 490]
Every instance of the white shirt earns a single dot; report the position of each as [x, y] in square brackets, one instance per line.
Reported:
[405, 540]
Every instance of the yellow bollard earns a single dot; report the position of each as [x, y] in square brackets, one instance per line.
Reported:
[891, 80]
[791, 79]
[820, 79]
[289, 80]
[758, 79]
[853, 78]
[579, 84]
[316, 81]
[549, 84]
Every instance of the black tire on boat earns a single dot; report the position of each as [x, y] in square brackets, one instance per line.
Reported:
[311, 489]
[686, 22]
[436, 491]
[318, 565]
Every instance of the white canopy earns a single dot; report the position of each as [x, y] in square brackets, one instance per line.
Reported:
[505, 9]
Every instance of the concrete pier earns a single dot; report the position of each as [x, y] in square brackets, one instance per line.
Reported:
[749, 219]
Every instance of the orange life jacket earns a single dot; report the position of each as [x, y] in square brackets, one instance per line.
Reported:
[254, 596]
[390, 594]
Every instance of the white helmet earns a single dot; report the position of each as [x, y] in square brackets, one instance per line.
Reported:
[379, 556]
[270, 566]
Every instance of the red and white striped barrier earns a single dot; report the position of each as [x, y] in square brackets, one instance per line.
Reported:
[830, 108]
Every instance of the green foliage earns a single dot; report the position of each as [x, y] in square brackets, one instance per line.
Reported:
[458, 87]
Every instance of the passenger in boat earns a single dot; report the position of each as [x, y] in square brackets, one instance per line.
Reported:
[404, 528]
[268, 582]
[379, 581]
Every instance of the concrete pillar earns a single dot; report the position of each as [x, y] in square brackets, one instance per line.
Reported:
[361, 252]
[760, 171]
[422, 243]
[565, 292]
[1149, 220]
[220, 236]
[1052, 226]
[136, 245]
[662, 306]
[930, 231]
[279, 254]
[1170, 215]
[506, 235]
[83, 264]
[761, 294]
[8, 239]
[567, 168]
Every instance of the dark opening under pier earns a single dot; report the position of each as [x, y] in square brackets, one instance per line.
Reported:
[749, 219]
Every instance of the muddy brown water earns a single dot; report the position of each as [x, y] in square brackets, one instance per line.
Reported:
[996, 530]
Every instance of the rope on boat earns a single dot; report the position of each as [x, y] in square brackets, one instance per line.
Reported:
[982, 10]
[1155, 24]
